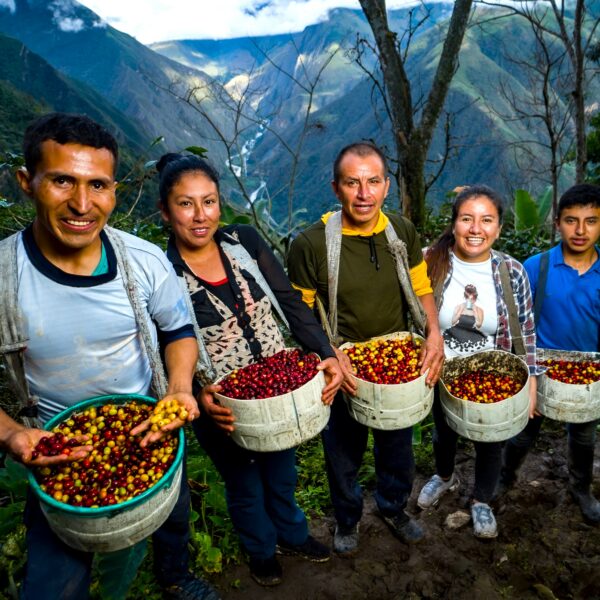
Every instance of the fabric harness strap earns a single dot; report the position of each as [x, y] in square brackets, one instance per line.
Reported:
[541, 286]
[13, 341]
[246, 262]
[513, 314]
[333, 243]
[159, 380]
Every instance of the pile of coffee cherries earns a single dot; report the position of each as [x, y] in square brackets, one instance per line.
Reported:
[577, 372]
[117, 469]
[484, 387]
[386, 361]
[278, 374]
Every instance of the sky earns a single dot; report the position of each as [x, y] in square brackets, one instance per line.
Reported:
[157, 20]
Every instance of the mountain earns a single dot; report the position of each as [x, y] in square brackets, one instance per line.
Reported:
[31, 86]
[127, 74]
[482, 123]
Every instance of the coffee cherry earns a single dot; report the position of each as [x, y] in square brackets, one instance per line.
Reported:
[281, 373]
[111, 472]
[165, 412]
[483, 386]
[386, 361]
[581, 372]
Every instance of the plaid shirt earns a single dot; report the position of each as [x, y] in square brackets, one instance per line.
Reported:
[524, 302]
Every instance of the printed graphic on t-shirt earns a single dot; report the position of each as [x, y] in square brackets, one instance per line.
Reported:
[465, 335]
[468, 315]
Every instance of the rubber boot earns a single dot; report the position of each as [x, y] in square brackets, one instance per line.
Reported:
[512, 458]
[581, 464]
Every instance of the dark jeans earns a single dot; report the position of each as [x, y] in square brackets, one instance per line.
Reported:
[581, 439]
[345, 442]
[260, 490]
[488, 455]
[56, 571]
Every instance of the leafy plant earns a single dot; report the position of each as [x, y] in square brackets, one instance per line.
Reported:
[530, 214]
[13, 490]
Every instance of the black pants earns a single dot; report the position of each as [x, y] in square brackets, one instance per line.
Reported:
[488, 455]
[345, 442]
[581, 438]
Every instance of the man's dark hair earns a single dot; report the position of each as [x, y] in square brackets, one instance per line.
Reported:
[582, 194]
[359, 149]
[64, 128]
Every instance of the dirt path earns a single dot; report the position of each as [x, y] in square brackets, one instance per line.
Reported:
[544, 549]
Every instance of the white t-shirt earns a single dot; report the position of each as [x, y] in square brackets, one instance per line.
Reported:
[468, 315]
[83, 338]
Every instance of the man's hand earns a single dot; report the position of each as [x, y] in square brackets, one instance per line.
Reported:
[333, 376]
[222, 416]
[432, 357]
[23, 441]
[348, 385]
[533, 411]
[185, 400]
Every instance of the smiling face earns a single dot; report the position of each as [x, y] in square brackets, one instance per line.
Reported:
[476, 228]
[579, 227]
[361, 188]
[73, 190]
[193, 210]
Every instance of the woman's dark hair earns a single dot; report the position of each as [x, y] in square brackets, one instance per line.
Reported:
[438, 254]
[171, 167]
[471, 290]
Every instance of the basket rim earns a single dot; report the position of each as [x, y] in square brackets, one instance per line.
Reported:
[229, 398]
[112, 509]
[387, 336]
[488, 351]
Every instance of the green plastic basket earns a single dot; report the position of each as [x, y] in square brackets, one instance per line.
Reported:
[113, 509]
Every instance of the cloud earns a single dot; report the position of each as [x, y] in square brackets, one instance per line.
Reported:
[180, 19]
[10, 4]
[68, 24]
[64, 16]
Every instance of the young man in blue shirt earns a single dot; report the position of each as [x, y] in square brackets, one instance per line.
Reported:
[569, 319]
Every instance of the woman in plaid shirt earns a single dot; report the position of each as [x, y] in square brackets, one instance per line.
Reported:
[466, 276]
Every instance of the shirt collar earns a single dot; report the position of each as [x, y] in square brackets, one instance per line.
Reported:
[559, 258]
[382, 223]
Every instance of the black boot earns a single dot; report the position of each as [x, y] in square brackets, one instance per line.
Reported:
[581, 464]
[512, 458]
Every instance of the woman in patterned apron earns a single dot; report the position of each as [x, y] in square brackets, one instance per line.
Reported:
[235, 283]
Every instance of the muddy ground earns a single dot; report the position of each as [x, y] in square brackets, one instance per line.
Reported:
[544, 549]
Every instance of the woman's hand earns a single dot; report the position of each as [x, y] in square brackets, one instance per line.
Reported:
[184, 400]
[533, 411]
[333, 376]
[348, 384]
[432, 357]
[23, 441]
[222, 416]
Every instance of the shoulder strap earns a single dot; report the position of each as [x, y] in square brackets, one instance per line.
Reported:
[159, 380]
[333, 244]
[400, 254]
[540, 289]
[242, 256]
[513, 314]
[13, 341]
[205, 369]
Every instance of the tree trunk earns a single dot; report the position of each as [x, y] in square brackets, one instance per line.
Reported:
[413, 141]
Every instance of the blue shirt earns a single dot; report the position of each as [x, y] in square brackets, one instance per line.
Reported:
[570, 315]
